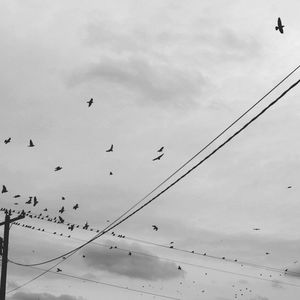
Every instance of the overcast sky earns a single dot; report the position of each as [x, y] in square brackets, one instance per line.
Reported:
[169, 74]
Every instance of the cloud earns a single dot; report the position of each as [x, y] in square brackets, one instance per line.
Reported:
[141, 79]
[135, 266]
[41, 296]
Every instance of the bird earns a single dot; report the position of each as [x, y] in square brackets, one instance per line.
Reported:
[62, 210]
[267, 253]
[7, 140]
[110, 173]
[46, 209]
[111, 149]
[75, 206]
[86, 226]
[31, 144]
[71, 227]
[158, 157]
[90, 102]
[58, 270]
[61, 220]
[155, 227]
[161, 149]
[63, 198]
[35, 201]
[289, 187]
[58, 168]
[83, 256]
[29, 201]
[4, 189]
[279, 26]
[17, 196]
[179, 268]
[256, 229]
[129, 253]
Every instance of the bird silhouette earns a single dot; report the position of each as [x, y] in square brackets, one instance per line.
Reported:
[158, 157]
[86, 226]
[256, 229]
[179, 268]
[75, 206]
[7, 141]
[58, 168]
[35, 201]
[155, 227]
[17, 196]
[61, 210]
[71, 227]
[29, 201]
[129, 253]
[30, 144]
[46, 209]
[63, 198]
[58, 270]
[110, 173]
[279, 26]
[289, 187]
[161, 149]
[61, 220]
[90, 102]
[4, 189]
[111, 149]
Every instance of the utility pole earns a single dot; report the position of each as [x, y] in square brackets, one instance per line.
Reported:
[4, 247]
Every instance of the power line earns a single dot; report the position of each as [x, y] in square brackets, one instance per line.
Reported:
[110, 227]
[116, 223]
[98, 282]
[204, 254]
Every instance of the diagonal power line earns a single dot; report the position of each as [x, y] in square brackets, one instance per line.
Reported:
[116, 223]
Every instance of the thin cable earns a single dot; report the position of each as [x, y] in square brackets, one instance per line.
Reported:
[108, 228]
[204, 254]
[98, 282]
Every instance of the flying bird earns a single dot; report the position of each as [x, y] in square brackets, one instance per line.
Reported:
[86, 226]
[31, 144]
[279, 26]
[90, 102]
[4, 189]
[161, 149]
[289, 187]
[110, 173]
[7, 141]
[179, 268]
[111, 149]
[75, 206]
[58, 270]
[58, 168]
[155, 227]
[61, 220]
[61, 210]
[29, 201]
[256, 229]
[63, 198]
[35, 201]
[17, 196]
[158, 157]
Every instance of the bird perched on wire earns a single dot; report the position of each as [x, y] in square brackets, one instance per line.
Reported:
[4, 189]
[61, 220]
[58, 168]
[155, 228]
[90, 102]
[35, 201]
[30, 144]
[111, 149]
[75, 206]
[158, 157]
[61, 210]
[7, 141]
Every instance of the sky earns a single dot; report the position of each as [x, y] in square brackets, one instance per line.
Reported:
[166, 74]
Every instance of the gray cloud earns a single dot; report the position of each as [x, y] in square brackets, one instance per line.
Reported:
[41, 296]
[134, 266]
[155, 81]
